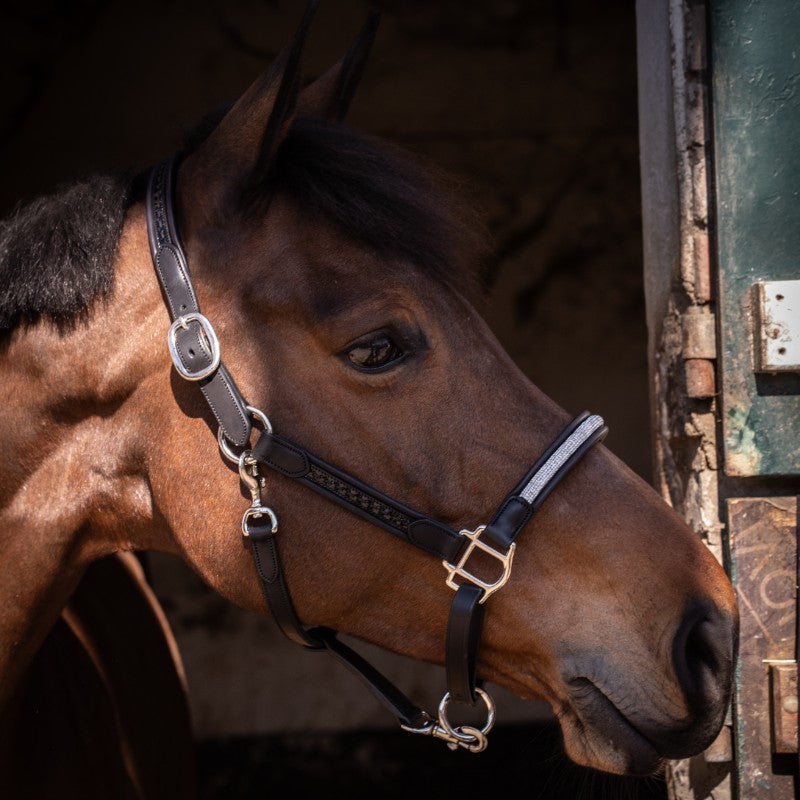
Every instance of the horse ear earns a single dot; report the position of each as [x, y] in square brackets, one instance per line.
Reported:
[331, 94]
[284, 106]
[237, 155]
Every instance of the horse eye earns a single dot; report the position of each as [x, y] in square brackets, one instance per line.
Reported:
[375, 354]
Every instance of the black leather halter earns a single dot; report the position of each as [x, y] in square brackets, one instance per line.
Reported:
[195, 353]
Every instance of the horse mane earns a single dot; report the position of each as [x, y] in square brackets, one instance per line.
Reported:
[57, 252]
[381, 196]
[376, 193]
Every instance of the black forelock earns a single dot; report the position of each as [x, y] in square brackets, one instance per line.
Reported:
[376, 193]
[57, 252]
[380, 196]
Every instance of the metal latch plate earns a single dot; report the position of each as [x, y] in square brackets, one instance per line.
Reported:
[777, 326]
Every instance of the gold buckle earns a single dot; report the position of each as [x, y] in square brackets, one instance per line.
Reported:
[459, 570]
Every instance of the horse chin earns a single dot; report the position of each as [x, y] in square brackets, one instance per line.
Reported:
[598, 735]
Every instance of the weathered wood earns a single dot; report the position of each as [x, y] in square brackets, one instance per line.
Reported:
[763, 567]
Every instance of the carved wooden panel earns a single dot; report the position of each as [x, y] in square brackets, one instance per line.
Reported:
[763, 568]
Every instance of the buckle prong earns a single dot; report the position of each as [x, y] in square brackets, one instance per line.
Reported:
[211, 339]
[459, 570]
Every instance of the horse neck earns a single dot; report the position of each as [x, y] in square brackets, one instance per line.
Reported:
[72, 485]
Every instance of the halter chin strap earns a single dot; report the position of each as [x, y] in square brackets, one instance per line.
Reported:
[195, 353]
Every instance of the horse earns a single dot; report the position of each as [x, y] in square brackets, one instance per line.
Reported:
[337, 274]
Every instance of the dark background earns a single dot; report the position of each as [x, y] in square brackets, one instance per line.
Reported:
[531, 103]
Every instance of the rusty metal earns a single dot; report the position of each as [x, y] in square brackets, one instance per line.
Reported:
[763, 568]
[702, 268]
[700, 382]
[783, 690]
[699, 334]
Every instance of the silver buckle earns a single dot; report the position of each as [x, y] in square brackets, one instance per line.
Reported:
[211, 338]
[454, 570]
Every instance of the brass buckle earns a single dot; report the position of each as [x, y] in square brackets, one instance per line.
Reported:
[210, 337]
[459, 570]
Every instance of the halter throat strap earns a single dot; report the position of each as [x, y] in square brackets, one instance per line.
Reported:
[195, 353]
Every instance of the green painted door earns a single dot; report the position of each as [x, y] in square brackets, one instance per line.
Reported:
[755, 69]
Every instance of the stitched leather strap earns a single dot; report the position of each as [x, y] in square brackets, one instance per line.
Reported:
[273, 585]
[191, 342]
[464, 628]
[516, 510]
[276, 593]
[415, 527]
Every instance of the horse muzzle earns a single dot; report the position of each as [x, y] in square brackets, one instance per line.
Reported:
[628, 717]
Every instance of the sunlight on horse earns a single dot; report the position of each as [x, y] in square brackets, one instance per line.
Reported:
[336, 274]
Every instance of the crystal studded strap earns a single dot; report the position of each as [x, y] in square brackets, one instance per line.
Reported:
[466, 611]
[540, 485]
[563, 454]
[192, 342]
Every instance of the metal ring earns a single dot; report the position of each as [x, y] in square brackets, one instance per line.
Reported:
[259, 511]
[468, 733]
[223, 440]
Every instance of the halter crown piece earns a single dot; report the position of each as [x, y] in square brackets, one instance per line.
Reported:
[195, 352]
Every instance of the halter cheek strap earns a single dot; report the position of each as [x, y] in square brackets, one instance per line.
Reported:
[195, 353]
[192, 341]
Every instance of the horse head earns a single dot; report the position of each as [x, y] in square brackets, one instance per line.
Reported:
[336, 272]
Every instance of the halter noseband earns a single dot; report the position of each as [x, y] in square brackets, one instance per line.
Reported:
[195, 352]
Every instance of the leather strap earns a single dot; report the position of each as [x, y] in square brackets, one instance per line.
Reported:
[516, 511]
[191, 342]
[464, 628]
[408, 714]
[276, 593]
[466, 612]
[415, 527]
[273, 585]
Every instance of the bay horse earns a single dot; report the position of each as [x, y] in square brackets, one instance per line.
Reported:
[337, 276]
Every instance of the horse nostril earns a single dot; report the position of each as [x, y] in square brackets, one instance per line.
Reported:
[700, 650]
[703, 653]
